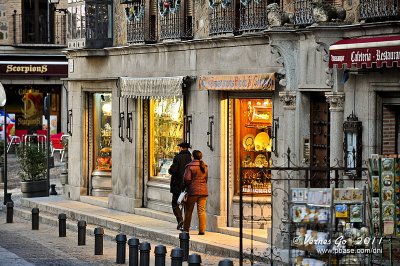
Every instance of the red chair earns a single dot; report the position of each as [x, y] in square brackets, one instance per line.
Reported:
[56, 144]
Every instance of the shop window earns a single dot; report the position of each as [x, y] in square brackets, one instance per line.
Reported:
[102, 131]
[253, 144]
[166, 132]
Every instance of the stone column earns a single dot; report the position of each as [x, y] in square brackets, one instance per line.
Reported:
[281, 183]
[288, 98]
[336, 103]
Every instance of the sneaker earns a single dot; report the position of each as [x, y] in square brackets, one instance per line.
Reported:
[180, 226]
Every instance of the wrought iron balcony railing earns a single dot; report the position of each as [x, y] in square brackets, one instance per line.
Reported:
[379, 9]
[28, 29]
[303, 12]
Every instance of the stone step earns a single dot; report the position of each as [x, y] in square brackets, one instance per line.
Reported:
[142, 227]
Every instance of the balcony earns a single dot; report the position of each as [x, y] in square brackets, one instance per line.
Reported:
[303, 12]
[378, 10]
[29, 30]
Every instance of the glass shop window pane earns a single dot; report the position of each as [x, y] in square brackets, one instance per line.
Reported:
[166, 132]
[102, 131]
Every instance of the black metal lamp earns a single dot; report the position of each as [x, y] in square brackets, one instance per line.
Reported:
[59, 10]
[352, 129]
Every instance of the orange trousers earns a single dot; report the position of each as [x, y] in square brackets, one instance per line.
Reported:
[201, 212]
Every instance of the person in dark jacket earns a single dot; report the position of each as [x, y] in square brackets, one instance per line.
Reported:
[196, 178]
[176, 171]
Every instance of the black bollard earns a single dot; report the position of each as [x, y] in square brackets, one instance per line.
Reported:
[121, 248]
[160, 251]
[62, 225]
[177, 257]
[81, 233]
[53, 190]
[184, 244]
[10, 212]
[8, 198]
[194, 260]
[225, 262]
[144, 254]
[35, 219]
[133, 244]
[98, 241]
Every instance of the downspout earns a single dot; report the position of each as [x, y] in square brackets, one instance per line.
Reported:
[143, 154]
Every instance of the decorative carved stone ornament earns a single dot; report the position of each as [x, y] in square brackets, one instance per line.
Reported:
[335, 100]
[288, 98]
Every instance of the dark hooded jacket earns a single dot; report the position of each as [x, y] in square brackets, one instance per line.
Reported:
[177, 170]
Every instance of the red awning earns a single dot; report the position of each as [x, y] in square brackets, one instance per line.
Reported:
[368, 52]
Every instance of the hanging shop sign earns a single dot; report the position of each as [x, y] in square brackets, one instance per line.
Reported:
[34, 68]
[367, 52]
[238, 82]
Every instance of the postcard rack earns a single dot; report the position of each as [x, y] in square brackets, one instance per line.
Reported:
[324, 222]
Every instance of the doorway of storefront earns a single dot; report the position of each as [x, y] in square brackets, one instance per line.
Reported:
[319, 128]
[100, 144]
[249, 157]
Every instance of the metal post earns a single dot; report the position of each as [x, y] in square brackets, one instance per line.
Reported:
[81, 233]
[225, 262]
[184, 244]
[48, 136]
[160, 251]
[133, 244]
[53, 189]
[35, 219]
[144, 254]
[177, 257]
[62, 225]
[121, 248]
[10, 212]
[194, 260]
[98, 241]
[5, 155]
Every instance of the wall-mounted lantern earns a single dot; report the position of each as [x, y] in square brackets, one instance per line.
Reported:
[352, 143]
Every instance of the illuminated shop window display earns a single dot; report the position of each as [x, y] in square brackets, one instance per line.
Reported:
[102, 131]
[253, 143]
[166, 132]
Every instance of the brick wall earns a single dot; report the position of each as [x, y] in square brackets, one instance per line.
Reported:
[388, 131]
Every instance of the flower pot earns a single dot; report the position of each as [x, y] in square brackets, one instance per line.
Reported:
[32, 189]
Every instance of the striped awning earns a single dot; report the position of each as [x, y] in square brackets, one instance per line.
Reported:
[239, 82]
[159, 87]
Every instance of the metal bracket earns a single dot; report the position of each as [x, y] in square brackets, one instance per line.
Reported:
[121, 120]
[69, 122]
[275, 126]
[188, 122]
[128, 127]
[210, 132]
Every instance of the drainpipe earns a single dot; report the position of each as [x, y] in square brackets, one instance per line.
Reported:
[143, 155]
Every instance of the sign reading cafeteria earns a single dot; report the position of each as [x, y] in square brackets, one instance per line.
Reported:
[377, 51]
[34, 68]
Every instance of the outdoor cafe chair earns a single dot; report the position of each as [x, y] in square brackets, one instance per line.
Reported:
[17, 138]
[56, 144]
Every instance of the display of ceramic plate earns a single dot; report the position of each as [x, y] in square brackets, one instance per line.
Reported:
[260, 160]
[261, 142]
[248, 142]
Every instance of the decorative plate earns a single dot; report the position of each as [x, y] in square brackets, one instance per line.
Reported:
[261, 161]
[261, 142]
[248, 142]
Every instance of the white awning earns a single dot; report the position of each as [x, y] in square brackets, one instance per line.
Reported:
[160, 87]
[3, 98]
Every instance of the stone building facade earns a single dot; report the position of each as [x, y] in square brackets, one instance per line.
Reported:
[310, 99]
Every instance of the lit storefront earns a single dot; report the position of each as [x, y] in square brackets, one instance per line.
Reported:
[27, 80]
[250, 137]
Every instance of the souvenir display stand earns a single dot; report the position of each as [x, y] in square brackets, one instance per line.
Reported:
[324, 223]
[384, 174]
